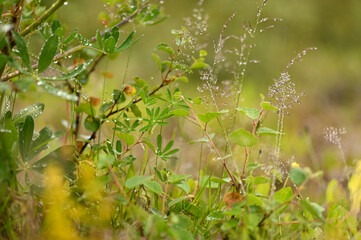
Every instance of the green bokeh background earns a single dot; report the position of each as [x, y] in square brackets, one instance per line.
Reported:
[330, 76]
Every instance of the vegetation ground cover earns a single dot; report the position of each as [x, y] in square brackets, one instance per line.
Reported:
[117, 169]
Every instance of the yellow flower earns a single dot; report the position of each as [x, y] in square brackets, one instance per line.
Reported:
[295, 164]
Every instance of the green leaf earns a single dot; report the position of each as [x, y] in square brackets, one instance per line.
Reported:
[136, 181]
[252, 166]
[23, 50]
[199, 63]
[24, 83]
[157, 60]
[62, 156]
[153, 186]
[164, 47]
[178, 113]
[33, 110]
[252, 113]
[99, 39]
[92, 124]
[70, 74]
[25, 137]
[263, 189]
[118, 96]
[40, 143]
[135, 110]
[58, 92]
[149, 144]
[115, 33]
[85, 108]
[109, 45]
[215, 216]
[3, 60]
[313, 208]
[140, 83]
[203, 53]
[184, 186]
[243, 138]
[266, 131]
[128, 42]
[283, 195]
[48, 53]
[5, 87]
[178, 200]
[129, 139]
[182, 79]
[268, 106]
[202, 140]
[220, 180]
[8, 154]
[206, 117]
[297, 176]
[105, 106]
[183, 67]
[175, 178]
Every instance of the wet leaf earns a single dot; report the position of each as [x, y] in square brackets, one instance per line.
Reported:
[48, 53]
[33, 110]
[23, 50]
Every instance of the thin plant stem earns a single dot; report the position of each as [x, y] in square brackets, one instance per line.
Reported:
[43, 17]
[210, 142]
[118, 184]
[165, 197]
[103, 96]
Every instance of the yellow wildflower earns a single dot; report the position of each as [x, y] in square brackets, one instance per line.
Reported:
[295, 164]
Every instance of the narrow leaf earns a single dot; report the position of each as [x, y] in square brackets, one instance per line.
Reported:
[178, 200]
[203, 140]
[109, 45]
[175, 178]
[70, 74]
[23, 50]
[136, 181]
[58, 92]
[40, 143]
[33, 110]
[62, 155]
[25, 137]
[99, 39]
[127, 43]
[48, 53]
[157, 60]
[266, 131]
[164, 47]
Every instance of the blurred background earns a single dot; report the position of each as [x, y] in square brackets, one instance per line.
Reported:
[330, 76]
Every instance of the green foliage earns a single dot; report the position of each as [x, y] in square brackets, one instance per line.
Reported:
[103, 177]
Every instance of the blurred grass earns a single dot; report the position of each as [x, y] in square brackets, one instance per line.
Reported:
[330, 76]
